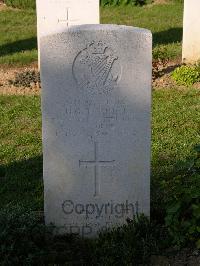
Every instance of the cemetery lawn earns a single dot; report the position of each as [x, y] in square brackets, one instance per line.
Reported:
[18, 43]
[175, 131]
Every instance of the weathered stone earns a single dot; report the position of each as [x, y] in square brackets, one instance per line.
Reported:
[96, 98]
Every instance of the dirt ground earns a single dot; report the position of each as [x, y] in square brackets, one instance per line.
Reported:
[164, 81]
[9, 74]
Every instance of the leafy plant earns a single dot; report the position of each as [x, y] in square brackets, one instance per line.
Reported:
[186, 75]
[183, 208]
[26, 79]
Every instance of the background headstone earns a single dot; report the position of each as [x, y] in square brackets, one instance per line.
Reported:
[54, 16]
[96, 100]
[191, 31]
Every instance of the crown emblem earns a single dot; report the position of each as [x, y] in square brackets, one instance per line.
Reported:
[97, 48]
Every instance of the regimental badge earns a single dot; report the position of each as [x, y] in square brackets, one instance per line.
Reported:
[97, 68]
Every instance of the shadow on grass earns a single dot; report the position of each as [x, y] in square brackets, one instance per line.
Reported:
[164, 37]
[172, 35]
[18, 46]
[21, 183]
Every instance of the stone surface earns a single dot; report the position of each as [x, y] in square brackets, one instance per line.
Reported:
[96, 98]
[191, 31]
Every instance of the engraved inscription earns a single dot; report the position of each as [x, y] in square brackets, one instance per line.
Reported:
[80, 110]
[96, 163]
[96, 68]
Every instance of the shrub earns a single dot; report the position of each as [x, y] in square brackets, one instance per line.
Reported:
[186, 75]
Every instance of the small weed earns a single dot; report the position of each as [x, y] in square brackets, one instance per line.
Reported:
[186, 75]
[26, 79]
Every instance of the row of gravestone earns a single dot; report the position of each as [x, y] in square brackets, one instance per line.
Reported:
[55, 16]
[96, 106]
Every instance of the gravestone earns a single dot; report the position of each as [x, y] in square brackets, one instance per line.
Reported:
[55, 16]
[96, 98]
[191, 31]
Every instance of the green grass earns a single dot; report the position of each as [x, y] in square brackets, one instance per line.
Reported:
[165, 22]
[24, 4]
[21, 151]
[175, 131]
[175, 127]
[18, 43]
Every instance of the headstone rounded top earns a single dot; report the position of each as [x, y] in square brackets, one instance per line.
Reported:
[106, 27]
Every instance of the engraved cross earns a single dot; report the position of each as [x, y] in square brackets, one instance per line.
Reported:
[96, 163]
[67, 20]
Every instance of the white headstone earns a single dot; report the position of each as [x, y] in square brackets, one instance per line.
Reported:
[191, 31]
[96, 98]
[54, 16]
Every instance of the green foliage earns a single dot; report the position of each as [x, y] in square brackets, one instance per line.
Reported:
[24, 4]
[186, 75]
[123, 2]
[183, 204]
[25, 240]
[161, 53]
[130, 244]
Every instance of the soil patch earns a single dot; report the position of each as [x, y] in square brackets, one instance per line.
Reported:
[8, 76]
[10, 83]
[164, 79]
